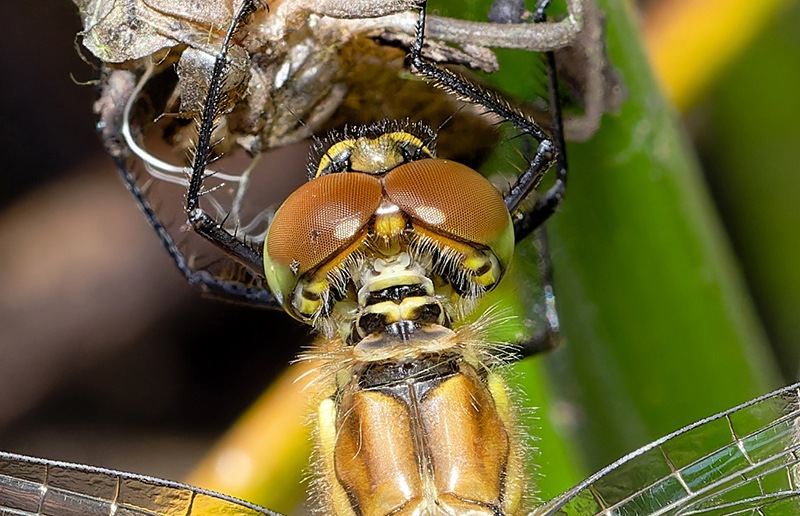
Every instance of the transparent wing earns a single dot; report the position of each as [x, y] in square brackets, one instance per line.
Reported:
[31, 486]
[741, 461]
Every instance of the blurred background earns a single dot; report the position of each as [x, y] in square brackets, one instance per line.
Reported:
[108, 357]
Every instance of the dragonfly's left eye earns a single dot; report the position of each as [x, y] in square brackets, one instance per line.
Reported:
[316, 222]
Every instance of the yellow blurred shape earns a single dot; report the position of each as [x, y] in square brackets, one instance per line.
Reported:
[690, 41]
[262, 457]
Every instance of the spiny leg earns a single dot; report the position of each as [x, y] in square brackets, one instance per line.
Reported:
[203, 223]
[532, 221]
[526, 221]
[546, 204]
[118, 118]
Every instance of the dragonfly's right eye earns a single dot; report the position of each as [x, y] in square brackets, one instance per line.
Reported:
[314, 224]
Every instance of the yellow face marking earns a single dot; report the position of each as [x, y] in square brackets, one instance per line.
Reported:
[389, 224]
[486, 271]
[372, 155]
[408, 138]
[336, 149]
[375, 156]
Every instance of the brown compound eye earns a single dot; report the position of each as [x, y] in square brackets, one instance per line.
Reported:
[453, 200]
[316, 220]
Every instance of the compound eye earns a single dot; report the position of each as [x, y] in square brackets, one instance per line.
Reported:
[317, 220]
[454, 200]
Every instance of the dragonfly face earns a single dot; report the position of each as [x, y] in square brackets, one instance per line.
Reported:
[275, 92]
[385, 251]
[383, 256]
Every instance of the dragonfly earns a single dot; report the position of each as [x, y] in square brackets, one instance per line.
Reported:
[740, 461]
[383, 257]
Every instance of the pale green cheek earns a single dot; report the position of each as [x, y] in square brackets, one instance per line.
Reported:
[280, 278]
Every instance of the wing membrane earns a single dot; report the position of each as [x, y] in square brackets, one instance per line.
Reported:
[741, 461]
[31, 486]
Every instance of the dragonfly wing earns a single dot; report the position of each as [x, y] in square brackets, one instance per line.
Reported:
[32, 486]
[741, 461]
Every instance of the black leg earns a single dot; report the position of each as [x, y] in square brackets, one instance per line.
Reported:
[532, 221]
[458, 86]
[539, 13]
[546, 153]
[203, 223]
[214, 286]
[546, 204]
[229, 289]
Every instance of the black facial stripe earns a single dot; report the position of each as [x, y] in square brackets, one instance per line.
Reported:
[396, 293]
